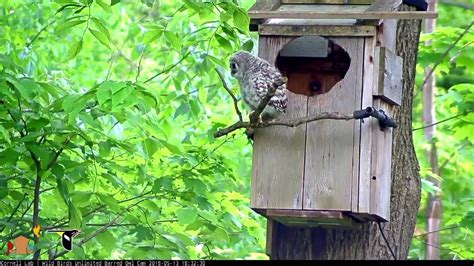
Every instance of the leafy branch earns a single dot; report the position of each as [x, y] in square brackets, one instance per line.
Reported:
[440, 60]
[100, 230]
[169, 68]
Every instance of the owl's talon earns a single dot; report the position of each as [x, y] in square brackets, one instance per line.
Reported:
[249, 132]
[253, 118]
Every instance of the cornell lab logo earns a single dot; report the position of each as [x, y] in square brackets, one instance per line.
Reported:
[21, 245]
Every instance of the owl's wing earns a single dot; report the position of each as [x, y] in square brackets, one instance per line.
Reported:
[280, 100]
[263, 84]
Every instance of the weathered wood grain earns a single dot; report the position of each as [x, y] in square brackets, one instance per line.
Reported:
[388, 75]
[278, 152]
[320, 30]
[352, 2]
[262, 5]
[365, 153]
[343, 15]
[381, 166]
[330, 144]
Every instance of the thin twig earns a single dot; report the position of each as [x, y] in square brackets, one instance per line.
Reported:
[38, 34]
[236, 106]
[100, 230]
[109, 69]
[464, 5]
[440, 59]
[438, 247]
[58, 153]
[427, 233]
[443, 165]
[131, 224]
[169, 68]
[208, 155]
[285, 122]
[139, 68]
[441, 121]
[14, 211]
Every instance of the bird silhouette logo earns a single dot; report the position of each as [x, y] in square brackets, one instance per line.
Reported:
[66, 237]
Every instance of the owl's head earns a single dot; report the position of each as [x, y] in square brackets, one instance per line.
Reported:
[239, 63]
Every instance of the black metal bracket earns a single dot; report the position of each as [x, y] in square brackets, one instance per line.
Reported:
[384, 119]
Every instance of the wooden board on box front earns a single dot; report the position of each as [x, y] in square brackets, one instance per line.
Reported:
[365, 153]
[381, 165]
[278, 155]
[330, 153]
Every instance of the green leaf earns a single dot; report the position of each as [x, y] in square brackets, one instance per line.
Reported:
[224, 43]
[75, 217]
[71, 5]
[63, 190]
[182, 109]
[107, 89]
[171, 37]
[15, 194]
[104, 6]
[120, 96]
[172, 148]
[196, 185]
[101, 27]
[109, 201]
[468, 221]
[78, 251]
[74, 50]
[241, 20]
[221, 234]
[3, 188]
[116, 181]
[248, 45]
[151, 145]
[186, 215]
[63, 26]
[102, 38]
[31, 88]
[151, 36]
[106, 239]
[81, 198]
[114, 2]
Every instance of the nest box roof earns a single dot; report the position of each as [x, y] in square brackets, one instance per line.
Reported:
[331, 12]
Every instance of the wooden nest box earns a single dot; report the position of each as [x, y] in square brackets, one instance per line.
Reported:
[338, 56]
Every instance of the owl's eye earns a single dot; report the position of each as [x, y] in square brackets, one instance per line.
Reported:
[233, 66]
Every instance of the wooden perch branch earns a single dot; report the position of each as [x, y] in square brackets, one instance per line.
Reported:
[254, 116]
[285, 122]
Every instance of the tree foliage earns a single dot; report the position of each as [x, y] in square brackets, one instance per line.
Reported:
[108, 110]
[113, 107]
[454, 135]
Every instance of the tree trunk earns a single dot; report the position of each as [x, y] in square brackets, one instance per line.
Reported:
[367, 242]
[434, 206]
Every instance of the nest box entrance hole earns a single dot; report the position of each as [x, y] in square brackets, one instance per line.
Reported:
[312, 64]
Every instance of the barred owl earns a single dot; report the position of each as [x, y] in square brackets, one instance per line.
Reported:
[255, 77]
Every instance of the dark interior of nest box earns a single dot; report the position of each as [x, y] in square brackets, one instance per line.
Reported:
[312, 64]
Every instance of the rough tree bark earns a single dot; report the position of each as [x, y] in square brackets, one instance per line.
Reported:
[367, 242]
